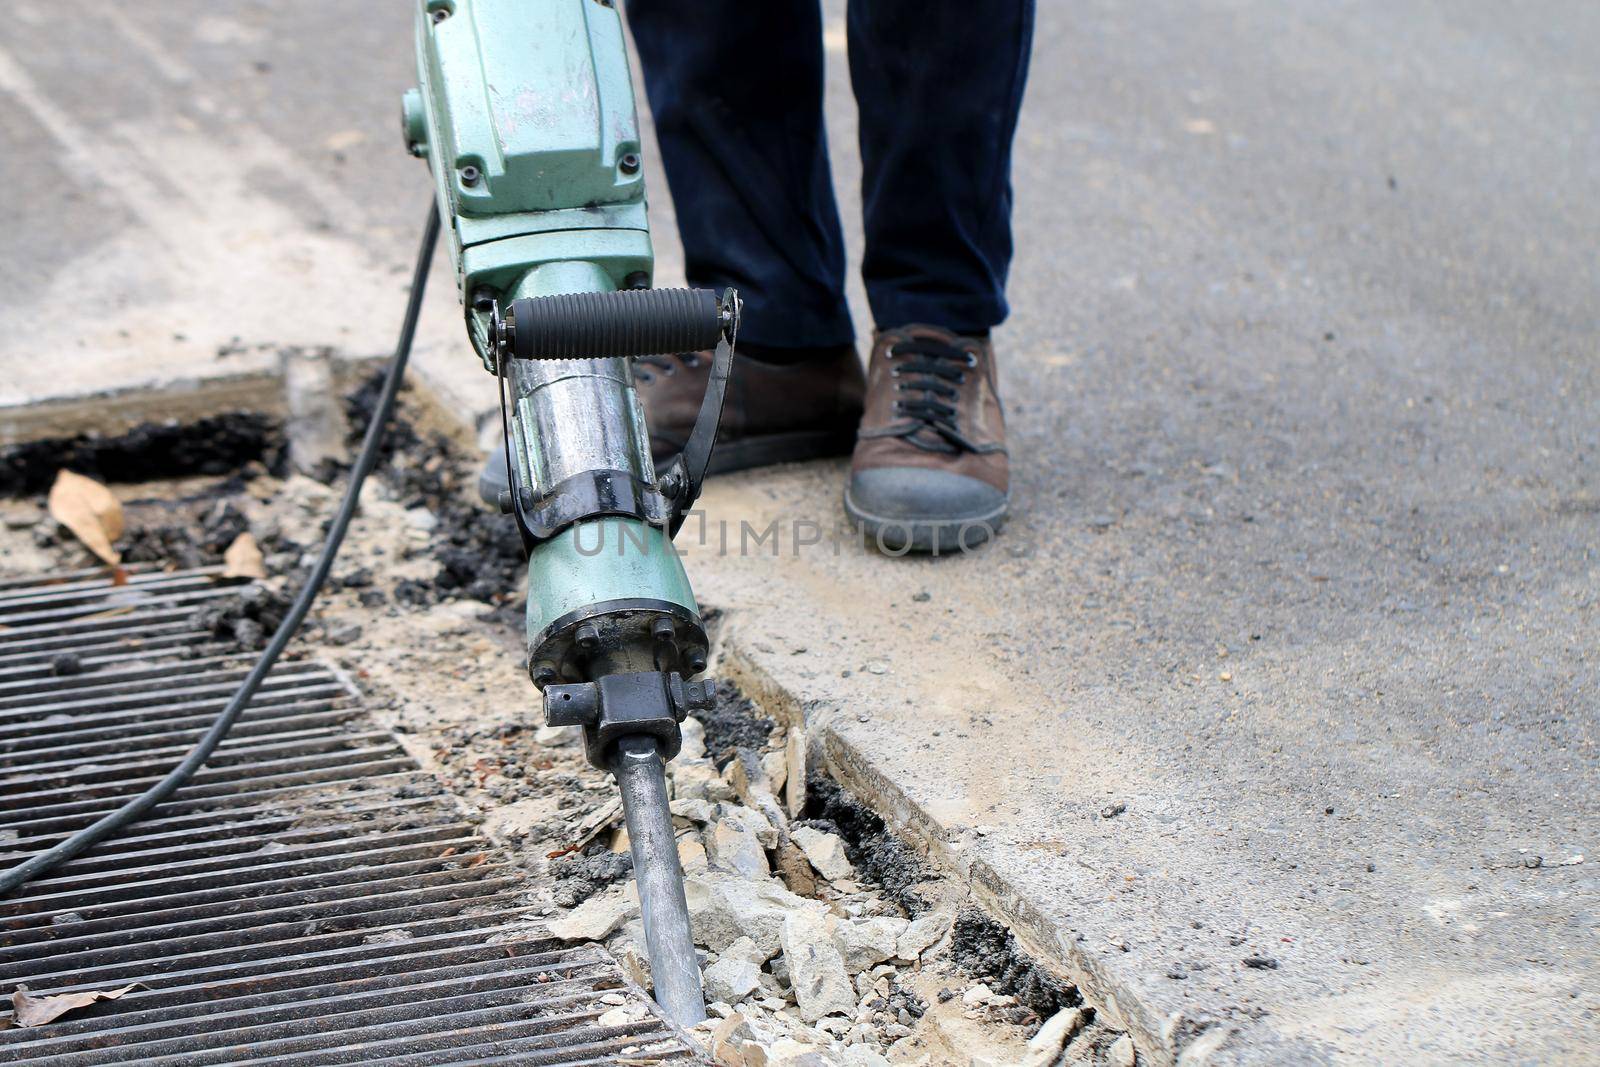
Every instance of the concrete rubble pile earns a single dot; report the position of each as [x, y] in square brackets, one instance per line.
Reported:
[805, 966]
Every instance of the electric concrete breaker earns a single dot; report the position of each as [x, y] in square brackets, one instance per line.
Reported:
[525, 114]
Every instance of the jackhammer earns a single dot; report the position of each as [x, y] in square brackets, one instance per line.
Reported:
[525, 114]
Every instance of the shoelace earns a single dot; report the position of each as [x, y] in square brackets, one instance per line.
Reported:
[929, 371]
[667, 366]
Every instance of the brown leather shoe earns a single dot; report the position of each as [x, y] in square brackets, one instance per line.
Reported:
[930, 473]
[773, 413]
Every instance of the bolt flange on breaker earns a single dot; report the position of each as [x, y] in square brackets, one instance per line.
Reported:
[524, 113]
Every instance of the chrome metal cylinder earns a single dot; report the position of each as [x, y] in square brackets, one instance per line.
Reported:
[674, 966]
[595, 416]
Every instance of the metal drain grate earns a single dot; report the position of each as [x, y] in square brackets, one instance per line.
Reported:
[309, 898]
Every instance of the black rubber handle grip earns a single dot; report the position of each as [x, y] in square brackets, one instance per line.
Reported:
[629, 322]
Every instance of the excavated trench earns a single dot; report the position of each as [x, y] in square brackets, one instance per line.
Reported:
[424, 613]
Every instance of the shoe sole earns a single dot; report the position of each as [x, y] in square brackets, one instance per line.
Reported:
[933, 536]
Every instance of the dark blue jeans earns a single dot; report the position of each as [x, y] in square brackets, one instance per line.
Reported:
[736, 89]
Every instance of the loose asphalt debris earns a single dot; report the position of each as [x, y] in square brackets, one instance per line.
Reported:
[210, 446]
[985, 949]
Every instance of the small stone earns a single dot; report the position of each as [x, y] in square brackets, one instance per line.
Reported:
[731, 980]
[825, 851]
[921, 934]
[615, 1017]
[343, 635]
[816, 970]
[1112, 810]
[613, 999]
[1121, 1053]
[557, 736]
[594, 918]
[977, 996]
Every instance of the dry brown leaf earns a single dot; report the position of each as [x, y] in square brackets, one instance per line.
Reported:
[30, 1010]
[243, 559]
[90, 511]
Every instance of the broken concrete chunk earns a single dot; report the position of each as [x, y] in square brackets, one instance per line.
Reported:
[1045, 1046]
[698, 781]
[825, 851]
[794, 752]
[1121, 1053]
[694, 739]
[795, 868]
[756, 823]
[692, 809]
[594, 918]
[728, 1040]
[816, 970]
[746, 773]
[921, 934]
[730, 979]
[726, 907]
[977, 996]
[776, 768]
[622, 1016]
[864, 942]
[734, 847]
[692, 856]
[744, 949]
[787, 1052]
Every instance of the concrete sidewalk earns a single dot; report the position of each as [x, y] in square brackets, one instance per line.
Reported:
[1272, 716]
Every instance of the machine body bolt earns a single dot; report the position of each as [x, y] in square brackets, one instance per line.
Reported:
[587, 637]
[470, 175]
[630, 163]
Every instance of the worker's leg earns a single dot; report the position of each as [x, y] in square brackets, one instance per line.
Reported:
[736, 91]
[938, 84]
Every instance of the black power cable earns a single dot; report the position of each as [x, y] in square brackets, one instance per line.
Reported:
[91, 835]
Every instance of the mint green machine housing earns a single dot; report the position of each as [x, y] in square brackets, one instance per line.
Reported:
[526, 116]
